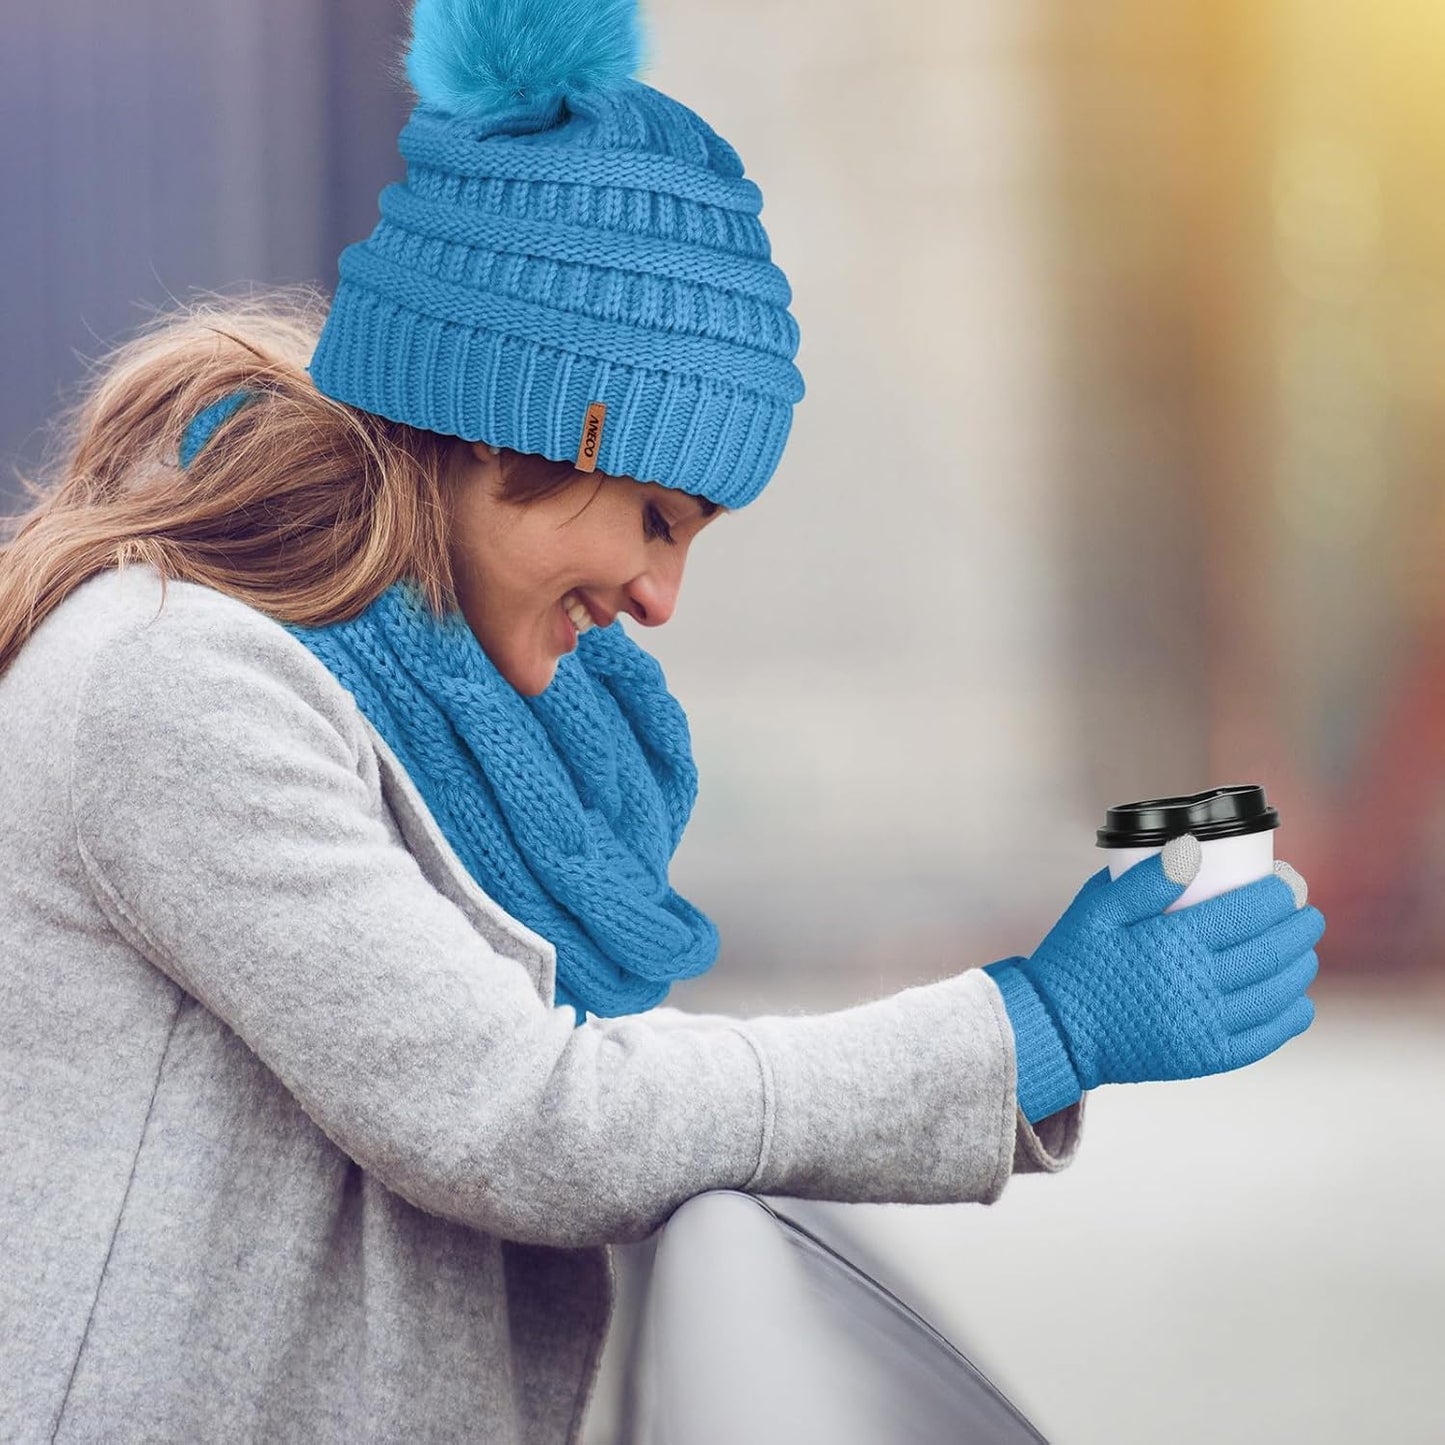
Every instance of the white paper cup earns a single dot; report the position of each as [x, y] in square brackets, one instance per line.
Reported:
[1234, 825]
[1226, 863]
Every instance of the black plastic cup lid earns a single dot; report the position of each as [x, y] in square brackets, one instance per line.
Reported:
[1219, 813]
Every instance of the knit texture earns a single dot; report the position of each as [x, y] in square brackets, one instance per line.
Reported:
[1047, 1081]
[209, 420]
[565, 807]
[614, 255]
[1130, 993]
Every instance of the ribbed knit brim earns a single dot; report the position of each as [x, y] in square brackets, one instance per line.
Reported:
[616, 257]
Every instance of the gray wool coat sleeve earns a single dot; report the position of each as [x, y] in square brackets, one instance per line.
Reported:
[227, 814]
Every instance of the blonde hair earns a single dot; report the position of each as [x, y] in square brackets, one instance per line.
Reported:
[302, 507]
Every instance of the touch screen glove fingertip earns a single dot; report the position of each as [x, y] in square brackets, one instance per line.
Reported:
[1181, 859]
[1297, 885]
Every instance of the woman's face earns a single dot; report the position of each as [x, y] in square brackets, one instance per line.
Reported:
[530, 574]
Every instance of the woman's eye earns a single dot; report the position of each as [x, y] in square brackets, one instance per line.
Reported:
[656, 524]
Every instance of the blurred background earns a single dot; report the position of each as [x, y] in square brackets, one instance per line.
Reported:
[1118, 476]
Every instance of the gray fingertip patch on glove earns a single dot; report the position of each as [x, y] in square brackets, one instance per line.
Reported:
[1182, 858]
[1297, 885]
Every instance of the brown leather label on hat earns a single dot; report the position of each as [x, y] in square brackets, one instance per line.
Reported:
[591, 437]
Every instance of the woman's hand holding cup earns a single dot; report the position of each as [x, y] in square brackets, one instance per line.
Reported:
[1123, 991]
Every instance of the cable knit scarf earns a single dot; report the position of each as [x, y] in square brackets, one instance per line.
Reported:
[566, 808]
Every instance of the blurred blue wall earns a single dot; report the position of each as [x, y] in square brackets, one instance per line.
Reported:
[158, 146]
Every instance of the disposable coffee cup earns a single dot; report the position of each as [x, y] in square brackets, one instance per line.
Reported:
[1234, 825]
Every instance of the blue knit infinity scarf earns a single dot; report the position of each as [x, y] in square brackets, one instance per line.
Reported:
[566, 808]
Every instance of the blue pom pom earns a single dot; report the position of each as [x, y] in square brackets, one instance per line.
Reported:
[481, 58]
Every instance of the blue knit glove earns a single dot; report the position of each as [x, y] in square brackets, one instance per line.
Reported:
[1121, 992]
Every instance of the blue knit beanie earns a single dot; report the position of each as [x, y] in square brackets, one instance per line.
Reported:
[574, 266]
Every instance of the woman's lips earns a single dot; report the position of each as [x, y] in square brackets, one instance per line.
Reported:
[568, 631]
[599, 615]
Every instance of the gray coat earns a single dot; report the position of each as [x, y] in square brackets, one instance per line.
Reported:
[295, 1146]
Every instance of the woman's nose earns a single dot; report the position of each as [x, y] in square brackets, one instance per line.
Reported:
[652, 595]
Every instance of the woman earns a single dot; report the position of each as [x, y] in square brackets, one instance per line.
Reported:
[338, 807]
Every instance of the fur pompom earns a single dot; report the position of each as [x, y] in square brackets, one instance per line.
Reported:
[478, 58]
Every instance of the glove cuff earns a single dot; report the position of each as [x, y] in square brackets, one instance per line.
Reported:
[1046, 1078]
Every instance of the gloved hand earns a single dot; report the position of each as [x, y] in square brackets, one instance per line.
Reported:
[1121, 992]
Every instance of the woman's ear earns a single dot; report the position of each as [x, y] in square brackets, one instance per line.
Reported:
[482, 463]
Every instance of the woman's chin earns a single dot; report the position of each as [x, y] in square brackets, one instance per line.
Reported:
[529, 663]
[532, 677]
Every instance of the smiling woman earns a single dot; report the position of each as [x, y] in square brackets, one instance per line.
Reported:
[335, 836]
[541, 553]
